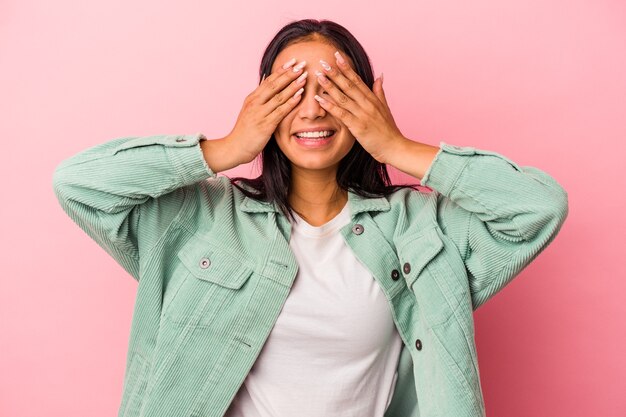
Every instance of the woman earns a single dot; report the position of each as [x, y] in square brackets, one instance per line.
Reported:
[317, 288]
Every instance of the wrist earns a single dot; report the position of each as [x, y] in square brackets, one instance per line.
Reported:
[236, 150]
[412, 157]
[220, 154]
[395, 149]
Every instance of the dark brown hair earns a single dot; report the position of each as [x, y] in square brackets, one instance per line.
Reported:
[358, 170]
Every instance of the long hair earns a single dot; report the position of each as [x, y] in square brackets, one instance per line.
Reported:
[358, 170]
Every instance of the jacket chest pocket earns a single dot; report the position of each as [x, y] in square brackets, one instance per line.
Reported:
[438, 282]
[208, 277]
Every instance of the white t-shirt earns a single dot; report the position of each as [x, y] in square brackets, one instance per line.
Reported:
[334, 348]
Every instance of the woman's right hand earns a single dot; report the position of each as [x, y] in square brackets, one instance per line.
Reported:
[265, 107]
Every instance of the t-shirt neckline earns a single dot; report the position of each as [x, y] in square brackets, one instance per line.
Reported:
[303, 227]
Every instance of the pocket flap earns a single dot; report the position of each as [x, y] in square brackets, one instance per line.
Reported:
[418, 252]
[211, 263]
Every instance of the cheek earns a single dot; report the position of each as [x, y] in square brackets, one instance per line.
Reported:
[347, 136]
[282, 130]
[282, 137]
[285, 124]
[348, 142]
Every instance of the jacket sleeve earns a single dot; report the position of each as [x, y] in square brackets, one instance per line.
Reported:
[500, 215]
[125, 193]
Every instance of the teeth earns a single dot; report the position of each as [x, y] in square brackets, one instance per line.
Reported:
[323, 133]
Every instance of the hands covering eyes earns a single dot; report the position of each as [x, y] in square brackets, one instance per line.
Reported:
[363, 111]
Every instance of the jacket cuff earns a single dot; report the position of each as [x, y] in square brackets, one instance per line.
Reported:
[449, 163]
[185, 154]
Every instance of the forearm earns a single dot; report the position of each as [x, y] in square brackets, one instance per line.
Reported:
[121, 191]
[515, 202]
[115, 175]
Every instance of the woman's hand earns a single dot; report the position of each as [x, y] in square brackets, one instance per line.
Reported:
[365, 113]
[264, 108]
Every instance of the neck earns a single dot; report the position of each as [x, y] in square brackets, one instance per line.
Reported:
[316, 196]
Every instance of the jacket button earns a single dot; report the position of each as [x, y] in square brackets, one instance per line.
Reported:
[180, 139]
[406, 267]
[204, 263]
[357, 229]
[395, 274]
[418, 344]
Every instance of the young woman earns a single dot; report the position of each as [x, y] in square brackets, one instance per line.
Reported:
[318, 288]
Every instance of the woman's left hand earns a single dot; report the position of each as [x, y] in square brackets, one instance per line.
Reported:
[365, 112]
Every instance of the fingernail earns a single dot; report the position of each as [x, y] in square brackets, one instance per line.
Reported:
[298, 93]
[289, 63]
[382, 78]
[302, 77]
[321, 76]
[320, 100]
[325, 65]
[339, 58]
[299, 66]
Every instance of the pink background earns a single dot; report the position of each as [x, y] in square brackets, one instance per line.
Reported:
[540, 81]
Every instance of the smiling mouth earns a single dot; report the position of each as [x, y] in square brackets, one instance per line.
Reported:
[314, 142]
[328, 133]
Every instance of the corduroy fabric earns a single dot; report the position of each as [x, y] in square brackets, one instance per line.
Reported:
[214, 267]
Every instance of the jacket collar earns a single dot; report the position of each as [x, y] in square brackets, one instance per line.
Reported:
[356, 203]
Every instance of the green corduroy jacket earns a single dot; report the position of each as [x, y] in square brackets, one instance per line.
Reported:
[214, 267]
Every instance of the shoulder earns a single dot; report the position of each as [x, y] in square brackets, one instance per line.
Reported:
[410, 210]
[209, 200]
[215, 192]
[412, 199]
[413, 205]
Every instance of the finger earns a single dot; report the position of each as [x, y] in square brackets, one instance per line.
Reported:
[284, 109]
[348, 82]
[378, 90]
[380, 93]
[350, 75]
[278, 80]
[286, 94]
[345, 116]
[337, 95]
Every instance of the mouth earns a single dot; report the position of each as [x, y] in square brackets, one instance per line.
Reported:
[313, 141]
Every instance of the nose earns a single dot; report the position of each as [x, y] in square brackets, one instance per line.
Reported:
[308, 107]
